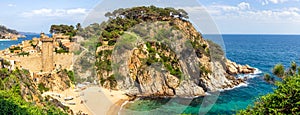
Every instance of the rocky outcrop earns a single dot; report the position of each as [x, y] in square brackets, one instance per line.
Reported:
[233, 68]
[6, 33]
[165, 57]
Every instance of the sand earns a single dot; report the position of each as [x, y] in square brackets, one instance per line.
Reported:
[77, 100]
[100, 100]
[97, 100]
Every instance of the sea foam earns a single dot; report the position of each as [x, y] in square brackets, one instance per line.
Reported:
[256, 73]
[240, 85]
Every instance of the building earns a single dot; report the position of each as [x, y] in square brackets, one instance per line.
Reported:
[41, 58]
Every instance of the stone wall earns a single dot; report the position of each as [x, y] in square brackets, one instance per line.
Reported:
[63, 59]
[34, 62]
[31, 62]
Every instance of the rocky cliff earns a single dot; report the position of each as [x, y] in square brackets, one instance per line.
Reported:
[6, 33]
[152, 51]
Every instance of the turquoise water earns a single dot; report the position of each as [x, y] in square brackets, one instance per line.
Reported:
[260, 51]
[7, 44]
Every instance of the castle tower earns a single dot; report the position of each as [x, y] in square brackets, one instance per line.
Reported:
[47, 53]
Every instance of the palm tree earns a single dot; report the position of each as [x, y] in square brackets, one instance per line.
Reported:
[278, 70]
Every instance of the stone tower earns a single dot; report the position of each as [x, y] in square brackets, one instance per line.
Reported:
[47, 53]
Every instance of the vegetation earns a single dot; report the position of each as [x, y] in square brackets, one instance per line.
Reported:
[60, 50]
[14, 48]
[215, 51]
[120, 27]
[93, 30]
[65, 29]
[70, 74]
[42, 87]
[278, 70]
[92, 43]
[170, 64]
[269, 78]
[23, 53]
[12, 101]
[284, 100]
[122, 19]
[4, 30]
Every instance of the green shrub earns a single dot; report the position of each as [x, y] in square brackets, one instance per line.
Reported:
[268, 78]
[23, 53]
[111, 42]
[71, 76]
[278, 70]
[42, 87]
[284, 100]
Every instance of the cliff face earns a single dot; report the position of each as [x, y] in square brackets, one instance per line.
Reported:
[165, 57]
[6, 33]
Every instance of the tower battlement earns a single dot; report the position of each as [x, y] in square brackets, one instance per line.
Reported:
[47, 39]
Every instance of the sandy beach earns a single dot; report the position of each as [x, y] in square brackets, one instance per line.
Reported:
[96, 100]
[70, 93]
[100, 100]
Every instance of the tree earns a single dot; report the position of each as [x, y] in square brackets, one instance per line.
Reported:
[284, 100]
[64, 29]
[269, 78]
[278, 70]
[292, 70]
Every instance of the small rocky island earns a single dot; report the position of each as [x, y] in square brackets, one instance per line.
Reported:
[153, 52]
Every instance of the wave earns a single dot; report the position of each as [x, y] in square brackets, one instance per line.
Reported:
[206, 93]
[6, 40]
[256, 73]
[240, 85]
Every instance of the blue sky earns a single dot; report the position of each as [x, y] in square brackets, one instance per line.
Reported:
[228, 16]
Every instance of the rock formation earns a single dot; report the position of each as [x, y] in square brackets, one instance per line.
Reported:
[164, 56]
[233, 68]
[6, 33]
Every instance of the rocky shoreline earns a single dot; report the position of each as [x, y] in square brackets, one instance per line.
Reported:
[231, 67]
[234, 68]
[183, 64]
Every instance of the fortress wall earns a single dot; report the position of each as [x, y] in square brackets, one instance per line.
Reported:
[31, 62]
[63, 59]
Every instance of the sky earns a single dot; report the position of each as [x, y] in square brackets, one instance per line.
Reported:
[225, 16]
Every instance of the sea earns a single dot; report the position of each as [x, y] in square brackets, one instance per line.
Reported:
[259, 51]
[7, 43]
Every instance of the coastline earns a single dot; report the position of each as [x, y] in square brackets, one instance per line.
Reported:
[103, 101]
[96, 100]
[116, 108]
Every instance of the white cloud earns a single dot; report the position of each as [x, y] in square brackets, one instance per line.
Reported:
[244, 5]
[266, 2]
[77, 11]
[55, 12]
[229, 8]
[244, 12]
[11, 5]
